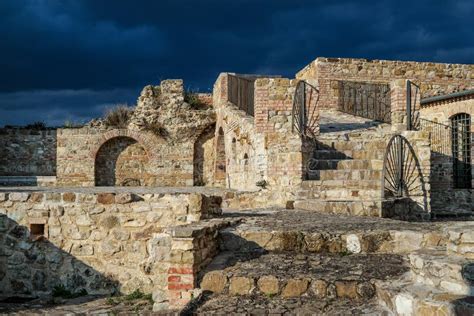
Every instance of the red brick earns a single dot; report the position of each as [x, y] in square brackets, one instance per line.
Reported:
[174, 278]
[180, 286]
[180, 270]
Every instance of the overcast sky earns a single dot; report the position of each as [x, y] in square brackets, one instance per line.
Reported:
[71, 59]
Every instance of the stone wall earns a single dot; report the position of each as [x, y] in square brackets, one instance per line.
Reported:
[98, 242]
[433, 78]
[27, 152]
[260, 149]
[445, 197]
[81, 154]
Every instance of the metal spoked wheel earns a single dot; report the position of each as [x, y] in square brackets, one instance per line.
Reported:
[402, 175]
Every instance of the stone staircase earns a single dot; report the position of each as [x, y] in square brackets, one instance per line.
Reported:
[279, 263]
[345, 169]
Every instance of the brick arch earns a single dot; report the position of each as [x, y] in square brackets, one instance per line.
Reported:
[144, 139]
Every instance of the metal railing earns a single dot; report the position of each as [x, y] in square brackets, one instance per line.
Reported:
[413, 106]
[369, 100]
[305, 118]
[441, 135]
[241, 92]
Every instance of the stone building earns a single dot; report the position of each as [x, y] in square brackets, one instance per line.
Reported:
[132, 202]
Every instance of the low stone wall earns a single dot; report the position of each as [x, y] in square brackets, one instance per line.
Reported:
[98, 242]
[27, 152]
[189, 249]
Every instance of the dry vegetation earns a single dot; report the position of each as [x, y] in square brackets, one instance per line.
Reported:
[118, 116]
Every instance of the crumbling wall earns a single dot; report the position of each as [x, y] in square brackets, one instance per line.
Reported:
[164, 130]
[27, 152]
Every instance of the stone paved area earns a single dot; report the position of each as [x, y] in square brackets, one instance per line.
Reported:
[334, 121]
[310, 221]
[88, 305]
[264, 305]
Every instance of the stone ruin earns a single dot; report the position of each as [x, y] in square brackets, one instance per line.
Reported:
[270, 195]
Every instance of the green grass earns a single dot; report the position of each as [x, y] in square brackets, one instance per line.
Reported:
[61, 291]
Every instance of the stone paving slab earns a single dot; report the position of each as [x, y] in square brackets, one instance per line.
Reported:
[264, 305]
[276, 219]
[87, 305]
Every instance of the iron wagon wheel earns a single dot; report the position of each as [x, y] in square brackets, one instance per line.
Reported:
[401, 175]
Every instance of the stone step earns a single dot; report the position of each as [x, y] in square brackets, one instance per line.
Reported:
[348, 184]
[343, 164]
[346, 207]
[329, 154]
[345, 175]
[352, 144]
[286, 275]
[331, 194]
[301, 231]
[452, 273]
[402, 297]
[348, 154]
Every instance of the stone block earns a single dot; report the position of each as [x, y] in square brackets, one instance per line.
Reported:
[240, 285]
[268, 285]
[295, 288]
[346, 289]
[319, 288]
[214, 281]
[18, 196]
[69, 197]
[106, 198]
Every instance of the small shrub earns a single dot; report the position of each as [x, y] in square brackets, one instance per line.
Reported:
[135, 295]
[118, 117]
[72, 124]
[61, 291]
[36, 125]
[156, 128]
[191, 97]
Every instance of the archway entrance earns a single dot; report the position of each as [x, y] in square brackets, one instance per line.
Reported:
[461, 147]
[121, 161]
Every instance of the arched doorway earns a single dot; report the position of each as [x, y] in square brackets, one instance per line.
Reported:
[220, 168]
[121, 161]
[203, 157]
[461, 148]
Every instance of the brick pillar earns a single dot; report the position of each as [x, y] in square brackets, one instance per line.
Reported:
[398, 100]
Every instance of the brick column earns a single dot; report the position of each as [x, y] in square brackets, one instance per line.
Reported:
[398, 100]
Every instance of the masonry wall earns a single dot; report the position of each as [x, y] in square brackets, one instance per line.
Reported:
[27, 152]
[260, 149]
[433, 78]
[102, 243]
[445, 197]
[159, 163]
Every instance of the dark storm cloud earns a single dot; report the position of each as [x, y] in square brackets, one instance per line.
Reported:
[59, 46]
